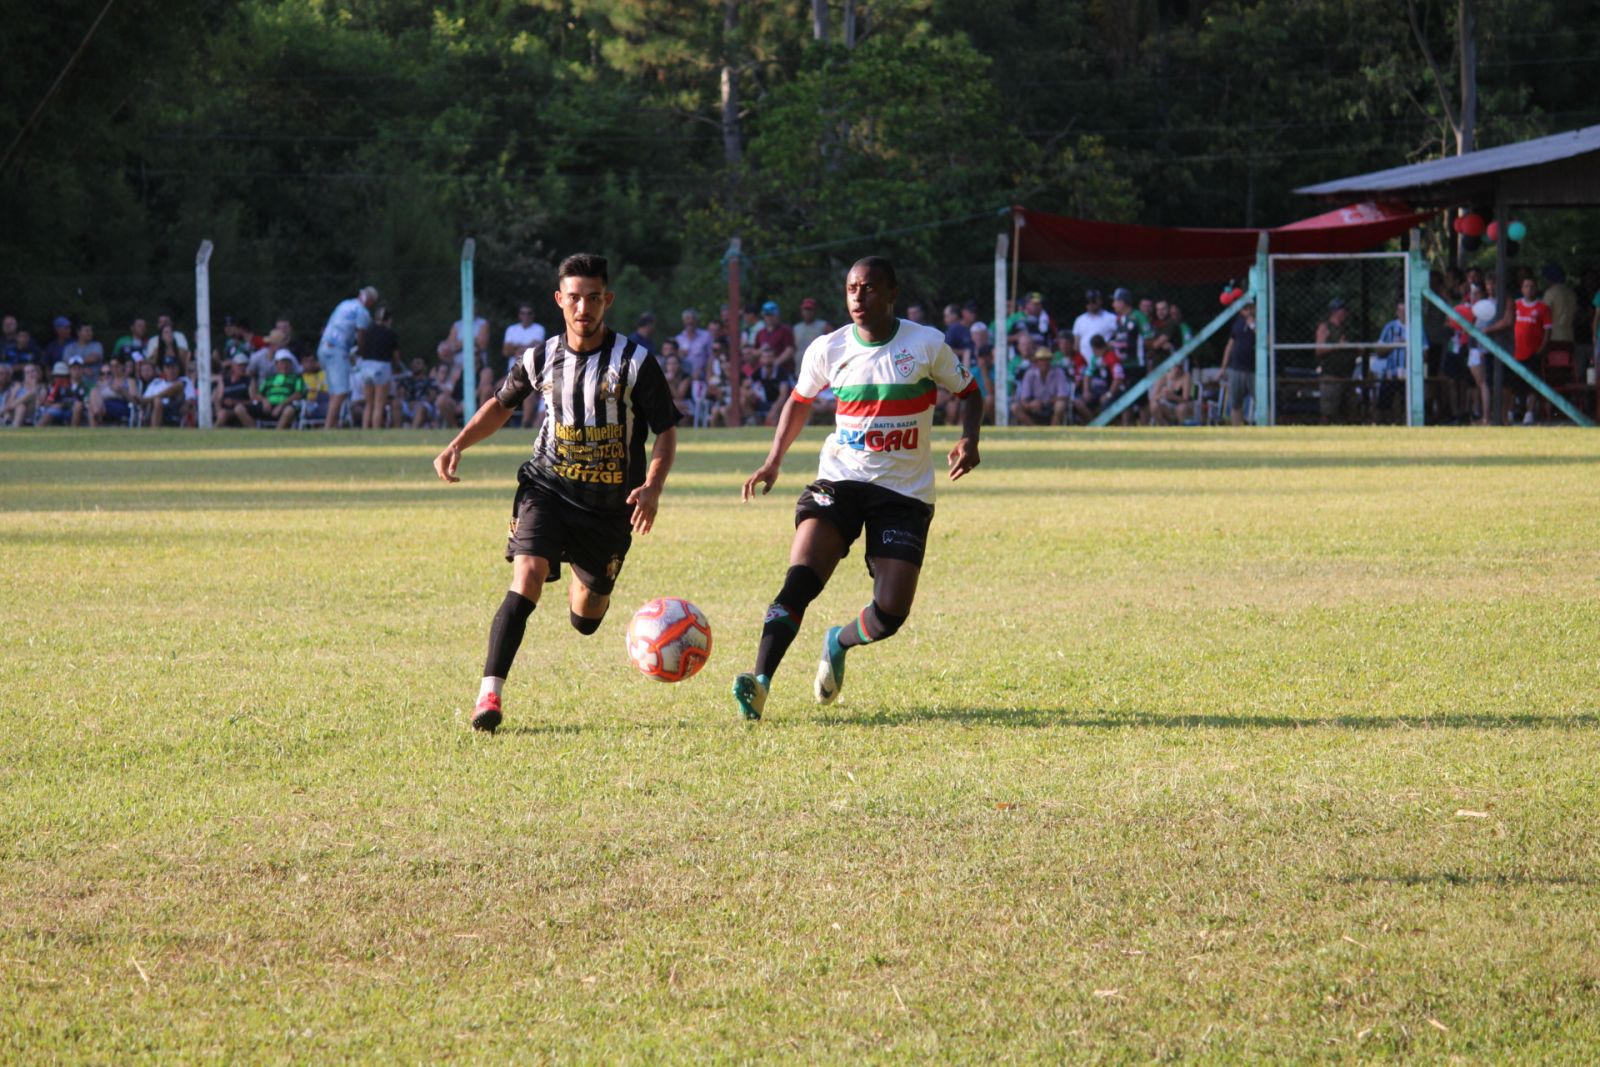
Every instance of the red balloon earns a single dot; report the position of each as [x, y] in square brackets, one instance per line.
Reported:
[1456, 224]
[1493, 232]
[1227, 297]
[1237, 293]
[1472, 225]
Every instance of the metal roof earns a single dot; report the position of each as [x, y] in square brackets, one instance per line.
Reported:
[1561, 169]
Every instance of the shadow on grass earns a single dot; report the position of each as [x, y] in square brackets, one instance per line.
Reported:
[1459, 879]
[1047, 717]
[1095, 457]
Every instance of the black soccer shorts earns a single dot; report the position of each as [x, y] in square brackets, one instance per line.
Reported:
[896, 524]
[543, 524]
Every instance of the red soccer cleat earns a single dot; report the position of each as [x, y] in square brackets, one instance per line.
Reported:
[486, 716]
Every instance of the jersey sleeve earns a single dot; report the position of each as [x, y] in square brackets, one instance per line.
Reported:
[948, 373]
[652, 396]
[813, 377]
[517, 387]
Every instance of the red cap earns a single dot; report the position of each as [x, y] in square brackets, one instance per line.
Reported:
[808, 302]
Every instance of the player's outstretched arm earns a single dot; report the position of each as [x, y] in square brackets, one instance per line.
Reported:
[964, 456]
[790, 423]
[647, 498]
[484, 422]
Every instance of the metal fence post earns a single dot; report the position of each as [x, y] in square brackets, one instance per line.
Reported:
[469, 365]
[1416, 336]
[1002, 352]
[202, 335]
[1266, 412]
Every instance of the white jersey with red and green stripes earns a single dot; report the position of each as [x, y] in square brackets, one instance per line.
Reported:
[885, 392]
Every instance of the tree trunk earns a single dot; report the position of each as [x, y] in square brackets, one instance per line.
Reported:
[849, 23]
[819, 20]
[732, 147]
[1467, 48]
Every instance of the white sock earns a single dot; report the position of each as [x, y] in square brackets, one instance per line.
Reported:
[490, 685]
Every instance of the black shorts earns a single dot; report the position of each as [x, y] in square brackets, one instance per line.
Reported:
[897, 525]
[543, 524]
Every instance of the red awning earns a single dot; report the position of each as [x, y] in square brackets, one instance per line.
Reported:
[1118, 251]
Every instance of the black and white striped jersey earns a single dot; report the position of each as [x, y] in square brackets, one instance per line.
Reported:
[601, 406]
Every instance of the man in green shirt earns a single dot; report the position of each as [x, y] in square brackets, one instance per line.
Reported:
[279, 392]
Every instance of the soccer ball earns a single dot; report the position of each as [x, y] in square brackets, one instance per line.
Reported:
[669, 639]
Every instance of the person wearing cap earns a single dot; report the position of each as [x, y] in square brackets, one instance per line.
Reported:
[1094, 320]
[694, 344]
[231, 395]
[1035, 319]
[112, 401]
[779, 337]
[340, 337]
[277, 398]
[1336, 360]
[1238, 371]
[63, 400]
[19, 402]
[810, 327]
[168, 400]
[1044, 392]
[875, 476]
[56, 348]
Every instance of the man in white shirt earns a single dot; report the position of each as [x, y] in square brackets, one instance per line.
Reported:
[519, 337]
[1095, 321]
[341, 336]
[694, 344]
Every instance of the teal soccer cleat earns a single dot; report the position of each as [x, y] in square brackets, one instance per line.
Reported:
[830, 669]
[750, 690]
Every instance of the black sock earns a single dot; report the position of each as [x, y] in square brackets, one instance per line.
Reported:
[582, 625]
[800, 587]
[505, 633]
[873, 624]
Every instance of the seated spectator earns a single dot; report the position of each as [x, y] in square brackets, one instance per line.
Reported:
[1043, 394]
[130, 346]
[179, 341]
[55, 350]
[63, 402]
[693, 344]
[447, 397]
[1063, 354]
[452, 349]
[957, 334]
[314, 408]
[22, 350]
[277, 398]
[112, 401]
[1172, 396]
[916, 313]
[982, 368]
[8, 332]
[765, 390]
[644, 330]
[86, 350]
[230, 397]
[168, 400]
[710, 394]
[809, 328]
[417, 392]
[1100, 379]
[780, 338]
[165, 345]
[678, 384]
[20, 402]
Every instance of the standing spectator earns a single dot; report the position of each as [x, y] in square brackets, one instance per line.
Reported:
[275, 400]
[1336, 360]
[1035, 319]
[114, 398]
[1043, 394]
[809, 328]
[1389, 364]
[694, 344]
[1484, 313]
[86, 350]
[1094, 320]
[956, 334]
[315, 406]
[22, 350]
[63, 400]
[55, 350]
[230, 398]
[342, 336]
[1239, 364]
[1130, 335]
[644, 330]
[750, 324]
[778, 337]
[20, 402]
[379, 350]
[1530, 339]
[1562, 301]
[168, 400]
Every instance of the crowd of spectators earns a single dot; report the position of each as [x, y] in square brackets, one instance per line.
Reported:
[1061, 372]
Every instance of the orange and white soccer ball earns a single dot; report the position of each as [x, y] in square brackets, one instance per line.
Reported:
[669, 639]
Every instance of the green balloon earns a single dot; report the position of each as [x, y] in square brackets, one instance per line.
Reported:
[1516, 231]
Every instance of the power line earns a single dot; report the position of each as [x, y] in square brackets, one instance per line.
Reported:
[54, 87]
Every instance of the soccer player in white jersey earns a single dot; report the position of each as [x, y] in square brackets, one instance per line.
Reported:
[341, 336]
[589, 486]
[876, 473]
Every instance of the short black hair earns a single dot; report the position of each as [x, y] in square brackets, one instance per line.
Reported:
[878, 265]
[584, 265]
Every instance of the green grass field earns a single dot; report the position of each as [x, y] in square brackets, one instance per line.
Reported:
[1210, 746]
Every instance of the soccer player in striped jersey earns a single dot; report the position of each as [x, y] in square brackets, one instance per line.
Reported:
[588, 487]
[876, 473]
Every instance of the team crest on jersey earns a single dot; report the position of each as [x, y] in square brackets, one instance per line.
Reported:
[611, 385]
[904, 362]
